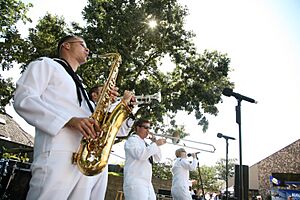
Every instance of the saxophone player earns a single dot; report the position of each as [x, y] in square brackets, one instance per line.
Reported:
[49, 96]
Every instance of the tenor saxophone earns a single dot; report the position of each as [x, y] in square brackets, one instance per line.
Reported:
[92, 155]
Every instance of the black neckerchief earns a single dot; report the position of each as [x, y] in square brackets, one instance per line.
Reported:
[77, 82]
[151, 157]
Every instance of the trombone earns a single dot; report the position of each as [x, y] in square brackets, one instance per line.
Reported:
[175, 141]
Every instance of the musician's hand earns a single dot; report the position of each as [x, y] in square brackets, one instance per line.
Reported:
[114, 94]
[193, 155]
[152, 137]
[129, 98]
[87, 127]
[160, 141]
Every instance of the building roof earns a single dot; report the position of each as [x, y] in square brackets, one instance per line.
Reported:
[11, 131]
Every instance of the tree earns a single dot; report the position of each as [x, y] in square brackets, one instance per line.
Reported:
[208, 175]
[196, 83]
[11, 12]
[43, 39]
[162, 170]
[221, 168]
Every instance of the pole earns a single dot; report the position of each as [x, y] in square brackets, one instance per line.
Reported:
[226, 176]
[200, 179]
[238, 121]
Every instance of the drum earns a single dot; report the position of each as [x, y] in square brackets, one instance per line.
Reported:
[14, 179]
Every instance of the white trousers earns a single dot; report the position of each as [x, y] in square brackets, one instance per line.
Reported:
[181, 193]
[55, 177]
[139, 192]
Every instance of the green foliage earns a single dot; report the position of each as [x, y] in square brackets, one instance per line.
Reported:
[43, 39]
[122, 26]
[11, 12]
[196, 83]
[208, 176]
[162, 170]
[221, 168]
[10, 41]
[6, 91]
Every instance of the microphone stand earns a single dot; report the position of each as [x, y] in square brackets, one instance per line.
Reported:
[200, 178]
[228, 92]
[238, 121]
[226, 176]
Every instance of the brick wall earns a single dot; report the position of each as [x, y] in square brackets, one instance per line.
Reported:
[287, 160]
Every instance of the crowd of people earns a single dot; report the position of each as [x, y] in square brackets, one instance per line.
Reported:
[51, 97]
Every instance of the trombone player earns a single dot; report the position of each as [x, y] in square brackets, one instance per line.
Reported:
[138, 164]
[180, 172]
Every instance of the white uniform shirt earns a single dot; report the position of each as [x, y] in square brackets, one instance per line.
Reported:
[126, 125]
[180, 171]
[138, 169]
[46, 98]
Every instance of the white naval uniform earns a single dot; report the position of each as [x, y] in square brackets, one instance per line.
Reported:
[46, 98]
[180, 181]
[126, 125]
[138, 170]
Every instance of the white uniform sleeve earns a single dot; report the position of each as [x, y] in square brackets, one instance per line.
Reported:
[138, 150]
[157, 157]
[28, 101]
[189, 166]
[125, 127]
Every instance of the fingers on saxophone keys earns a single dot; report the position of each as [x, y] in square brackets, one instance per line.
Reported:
[114, 93]
[97, 129]
[87, 128]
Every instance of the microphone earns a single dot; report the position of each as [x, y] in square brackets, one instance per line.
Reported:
[220, 135]
[189, 154]
[228, 92]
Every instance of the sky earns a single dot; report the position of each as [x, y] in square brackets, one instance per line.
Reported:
[261, 37]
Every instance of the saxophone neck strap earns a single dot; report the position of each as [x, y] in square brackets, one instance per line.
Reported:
[77, 82]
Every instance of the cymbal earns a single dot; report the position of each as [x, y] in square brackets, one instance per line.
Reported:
[19, 150]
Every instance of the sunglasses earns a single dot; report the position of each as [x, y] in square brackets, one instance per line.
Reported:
[145, 127]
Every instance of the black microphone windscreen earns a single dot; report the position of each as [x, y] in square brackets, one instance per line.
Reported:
[227, 92]
[189, 154]
[219, 135]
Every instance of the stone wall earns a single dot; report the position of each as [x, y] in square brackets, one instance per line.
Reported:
[287, 160]
[115, 184]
